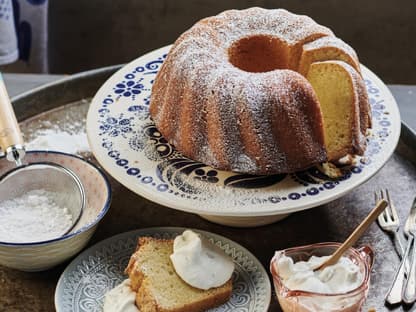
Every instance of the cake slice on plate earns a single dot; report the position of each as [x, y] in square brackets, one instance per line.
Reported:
[158, 286]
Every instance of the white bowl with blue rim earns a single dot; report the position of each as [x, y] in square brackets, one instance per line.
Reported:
[38, 256]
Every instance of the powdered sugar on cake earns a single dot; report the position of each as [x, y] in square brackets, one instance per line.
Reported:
[330, 42]
[231, 89]
[193, 64]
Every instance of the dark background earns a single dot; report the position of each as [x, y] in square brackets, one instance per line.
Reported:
[88, 34]
[95, 33]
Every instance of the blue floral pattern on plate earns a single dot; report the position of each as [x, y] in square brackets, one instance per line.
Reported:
[88, 277]
[127, 143]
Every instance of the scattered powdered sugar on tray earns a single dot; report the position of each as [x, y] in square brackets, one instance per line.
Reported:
[52, 139]
[33, 217]
[61, 129]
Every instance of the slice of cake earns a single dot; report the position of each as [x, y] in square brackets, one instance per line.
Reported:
[325, 49]
[336, 85]
[160, 289]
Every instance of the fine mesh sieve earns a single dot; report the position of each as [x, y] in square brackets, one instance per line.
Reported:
[62, 182]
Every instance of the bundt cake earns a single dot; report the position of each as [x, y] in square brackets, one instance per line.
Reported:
[233, 93]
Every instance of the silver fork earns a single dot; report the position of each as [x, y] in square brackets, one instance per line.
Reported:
[398, 290]
[409, 290]
[389, 220]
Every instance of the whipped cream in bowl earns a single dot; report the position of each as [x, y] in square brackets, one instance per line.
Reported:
[342, 287]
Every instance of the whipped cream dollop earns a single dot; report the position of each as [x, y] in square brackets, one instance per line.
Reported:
[200, 263]
[338, 278]
[120, 299]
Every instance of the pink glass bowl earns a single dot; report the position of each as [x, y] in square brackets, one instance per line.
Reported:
[304, 301]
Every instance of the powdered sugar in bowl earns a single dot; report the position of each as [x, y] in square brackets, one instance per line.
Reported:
[350, 300]
[39, 201]
[41, 255]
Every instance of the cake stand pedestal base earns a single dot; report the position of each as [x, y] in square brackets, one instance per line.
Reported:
[244, 221]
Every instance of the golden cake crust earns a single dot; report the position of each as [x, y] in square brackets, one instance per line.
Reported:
[220, 104]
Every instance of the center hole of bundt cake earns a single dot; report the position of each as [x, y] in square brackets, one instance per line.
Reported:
[259, 53]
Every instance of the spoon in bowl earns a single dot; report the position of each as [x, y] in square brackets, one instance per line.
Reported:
[358, 232]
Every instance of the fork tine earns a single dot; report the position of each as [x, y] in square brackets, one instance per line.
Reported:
[382, 218]
[393, 209]
[388, 195]
[386, 211]
[389, 207]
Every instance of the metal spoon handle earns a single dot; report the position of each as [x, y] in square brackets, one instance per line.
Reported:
[11, 140]
[409, 291]
[398, 244]
[394, 294]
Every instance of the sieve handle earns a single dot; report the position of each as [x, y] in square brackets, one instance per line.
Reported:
[11, 140]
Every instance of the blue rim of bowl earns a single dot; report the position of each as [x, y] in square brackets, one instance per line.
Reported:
[102, 213]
